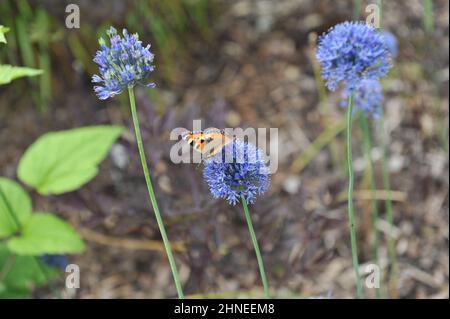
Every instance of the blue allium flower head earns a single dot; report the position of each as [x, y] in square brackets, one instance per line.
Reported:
[351, 52]
[125, 63]
[368, 98]
[239, 170]
[391, 43]
[57, 261]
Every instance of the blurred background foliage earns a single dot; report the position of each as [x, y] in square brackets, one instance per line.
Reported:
[38, 39]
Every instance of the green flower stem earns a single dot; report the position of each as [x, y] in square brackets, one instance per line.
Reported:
[151, 193]
[428, 16]
[380, 6]
[387, 188]
[256, 246]
[367, 141]
[356, 9]
[389, 211]
[351, 215]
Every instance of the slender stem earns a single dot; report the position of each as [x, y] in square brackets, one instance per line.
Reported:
[256, 246]
[351, 215]
[387, 188]
[389, 210]
[367, 141]
[428, 16]
[356, 9]
[151, 193]
[380, 6]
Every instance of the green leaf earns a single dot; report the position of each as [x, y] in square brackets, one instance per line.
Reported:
[61, 162]
[20, 273]
[45, 233]
[3, 30]
[9, 73]
[13, 200]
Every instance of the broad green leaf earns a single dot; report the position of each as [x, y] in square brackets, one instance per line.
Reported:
[3, 30]
[21, 273]
[61, 162]
[7, 292]
[45, 233]
[13, 200]
[9, 73]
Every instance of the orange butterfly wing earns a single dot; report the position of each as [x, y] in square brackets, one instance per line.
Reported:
[208, 143]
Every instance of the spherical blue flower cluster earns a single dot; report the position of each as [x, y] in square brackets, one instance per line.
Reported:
[351, 52]
[391, 43]
[125, 63]
[238, 171]
[367, 98]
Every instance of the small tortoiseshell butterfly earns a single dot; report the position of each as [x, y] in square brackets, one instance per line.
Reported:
[208, 142]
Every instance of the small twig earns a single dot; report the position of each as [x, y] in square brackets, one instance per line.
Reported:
[396, 196]
[228, 295]
[128, 243]
[325, 138]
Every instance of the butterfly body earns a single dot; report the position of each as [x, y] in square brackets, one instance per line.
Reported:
[209, 142]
